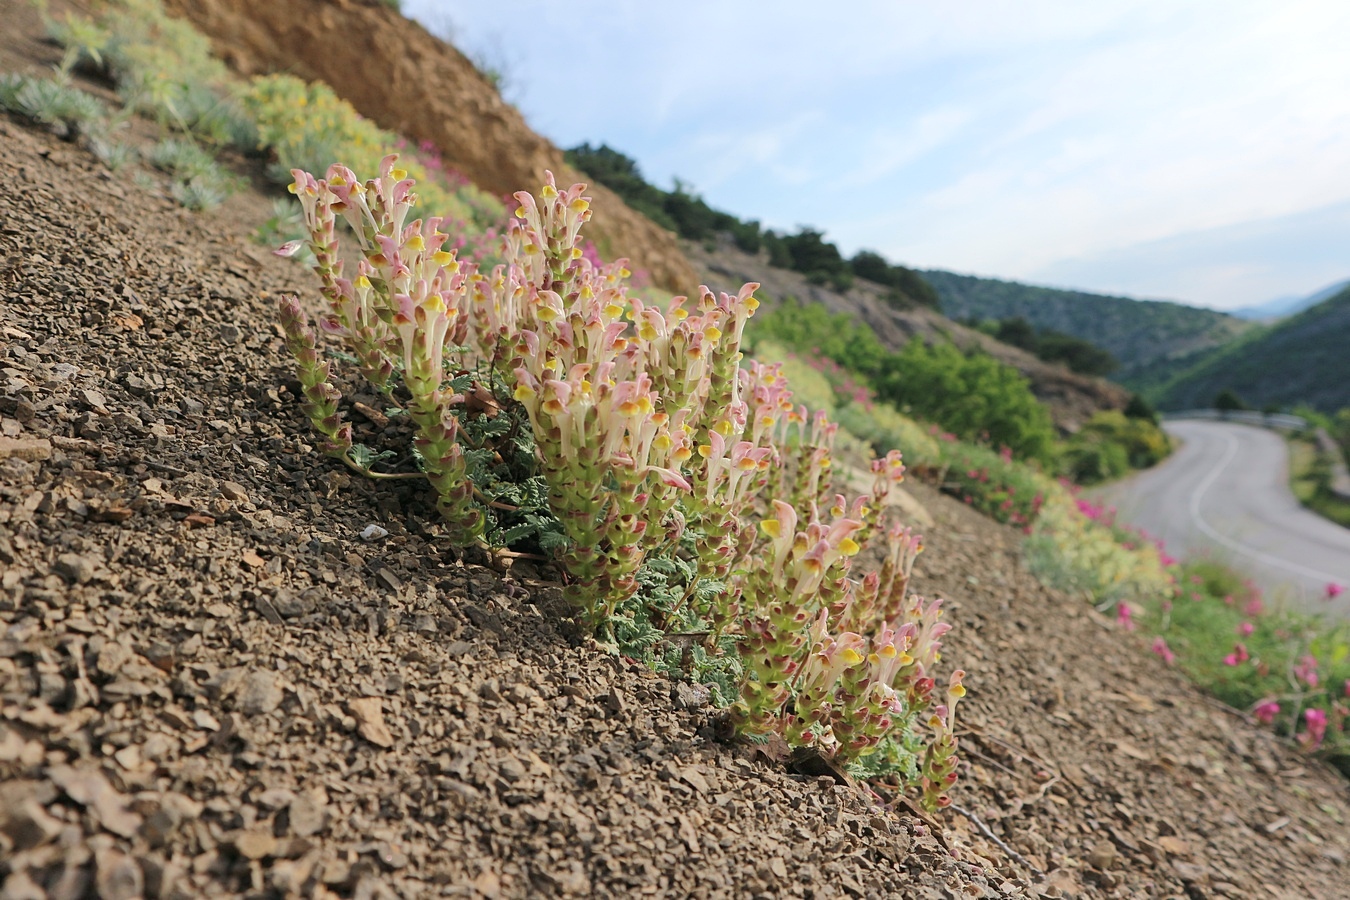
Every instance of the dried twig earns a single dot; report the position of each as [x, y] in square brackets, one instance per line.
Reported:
[984, 830]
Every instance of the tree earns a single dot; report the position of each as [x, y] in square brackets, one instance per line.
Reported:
[1228, 401]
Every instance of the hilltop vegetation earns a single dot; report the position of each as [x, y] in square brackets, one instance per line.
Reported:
[1300, 360]
[805, 251]
[1083, 357]
[1138, 333]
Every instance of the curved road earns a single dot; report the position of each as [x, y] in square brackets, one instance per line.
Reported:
[1225, 493]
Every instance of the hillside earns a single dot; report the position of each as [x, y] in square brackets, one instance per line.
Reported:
[1301, 359]
[1072, 398]
[1138, 333]
[211, 685]
[426, 91]
[217, 679]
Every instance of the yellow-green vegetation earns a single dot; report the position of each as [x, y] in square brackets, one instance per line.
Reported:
[884, 428]
[1110, 445]
[163, 68]
[1310, 473]
[1073, 550]
[306, 126]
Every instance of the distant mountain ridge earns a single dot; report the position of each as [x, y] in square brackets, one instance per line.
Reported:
[1301, 359]
[1288, 306]
[1141, 334]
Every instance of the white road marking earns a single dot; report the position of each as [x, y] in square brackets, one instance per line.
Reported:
[1237, 546]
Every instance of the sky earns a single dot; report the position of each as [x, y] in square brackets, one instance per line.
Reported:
[1196, 151]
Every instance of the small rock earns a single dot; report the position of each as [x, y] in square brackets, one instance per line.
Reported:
[205, 721]
[1190, 872]
[28, 825]
[234, 491]
[374, 533]
[259, 694]
[129, 757]
[307, 816]
[1103, 855]
[90, 789]
[111, 657]
[224, 683]
[95, 399]
[31, 449]
[118, 876]
[370, 719]
[18, 886]
[161, 655]
[389, 580]
[512, 769]
[1174, 846]
[289, 606]
[254, 844]
[76, 568]
[694, 778]
[691, 696]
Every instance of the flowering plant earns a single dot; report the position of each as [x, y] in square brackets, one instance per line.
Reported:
[645, 424]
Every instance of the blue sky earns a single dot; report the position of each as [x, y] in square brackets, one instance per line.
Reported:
[1196, 151]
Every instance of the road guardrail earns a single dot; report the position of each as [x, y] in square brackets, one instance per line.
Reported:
[1282, 421]
[1340, 475]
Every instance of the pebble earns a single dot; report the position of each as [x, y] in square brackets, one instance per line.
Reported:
[307, 816]
[77, 568]
[259, 694]
[232, 490]
[1103, 855]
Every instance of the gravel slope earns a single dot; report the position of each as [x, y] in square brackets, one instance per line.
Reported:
[210, 686]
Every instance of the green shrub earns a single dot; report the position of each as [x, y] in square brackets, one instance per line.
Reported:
[69, 111]
[306, 126]
[1109, 445]
[993, 483]
[973, 395]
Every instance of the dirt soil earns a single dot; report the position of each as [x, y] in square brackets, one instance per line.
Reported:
[211, 685]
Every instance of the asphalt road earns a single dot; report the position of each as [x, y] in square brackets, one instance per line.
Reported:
[1225, 493]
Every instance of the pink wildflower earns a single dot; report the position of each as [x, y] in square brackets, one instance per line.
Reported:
[1246, 629]
[1306, 671]
[1125, 616]
[1196, 579]
[1317, 729]
[1238, 656]
[1347, 687]
[1255, 607]
[1165, 652]
[1228, 600]
[1195, 595]
[1334, 590]
[1266, 711]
